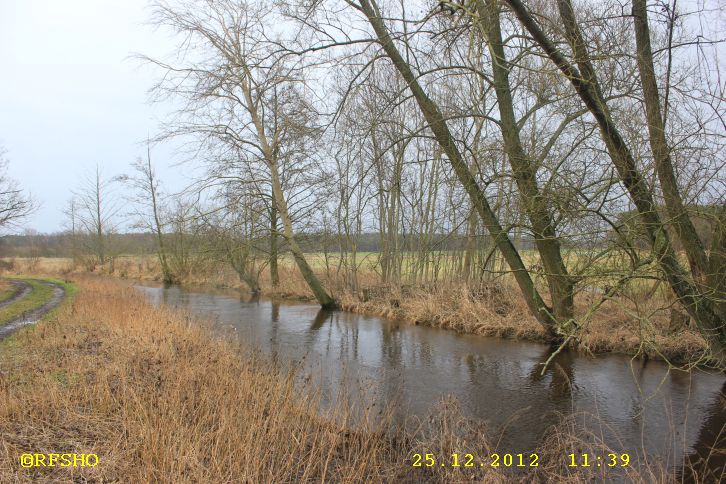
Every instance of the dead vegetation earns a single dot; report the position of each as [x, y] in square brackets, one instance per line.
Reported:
[158, 400]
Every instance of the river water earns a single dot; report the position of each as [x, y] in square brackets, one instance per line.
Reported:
[638, 407]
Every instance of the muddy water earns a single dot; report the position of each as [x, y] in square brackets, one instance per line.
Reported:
[638, 407]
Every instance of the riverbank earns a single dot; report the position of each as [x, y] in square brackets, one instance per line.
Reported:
[155, 398]
[641, 322]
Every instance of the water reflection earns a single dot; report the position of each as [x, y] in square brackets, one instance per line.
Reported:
[559, 372]
[320, 318]
[637, 407]
[709, 465]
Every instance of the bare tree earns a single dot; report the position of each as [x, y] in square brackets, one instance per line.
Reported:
[72, 225]
[237, 232]
[438, 125]
[97, 211]
[258, 104]
[705, 306]
[15, 205]
[568, 149]
[148, 213]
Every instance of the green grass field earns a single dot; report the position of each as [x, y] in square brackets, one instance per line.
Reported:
[578, 261]
[7, 291]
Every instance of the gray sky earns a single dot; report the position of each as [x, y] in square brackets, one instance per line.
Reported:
[70, 97]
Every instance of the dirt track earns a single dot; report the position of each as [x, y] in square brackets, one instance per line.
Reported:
[34, 315]
[22, 289]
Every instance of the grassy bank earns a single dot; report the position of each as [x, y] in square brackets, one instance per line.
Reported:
[158, 400]
[7, 291]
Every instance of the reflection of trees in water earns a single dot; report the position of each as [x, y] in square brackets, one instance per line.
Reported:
[393, 388]
[322, 375]
[249, 298]
[274, 328]
[561, 372]
[339, 376]
[391, 346]
[320, 318]
[275, 312]
[519, 413]
[312, 335]
[347, 333]
[708, 458]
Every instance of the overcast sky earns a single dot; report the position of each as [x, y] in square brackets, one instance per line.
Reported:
[70, 97]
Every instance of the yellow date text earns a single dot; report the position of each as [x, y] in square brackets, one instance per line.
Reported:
[471, 460]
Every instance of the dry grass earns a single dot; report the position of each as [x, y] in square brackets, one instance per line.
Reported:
[158, 400]
[569, 437]
[498, 311]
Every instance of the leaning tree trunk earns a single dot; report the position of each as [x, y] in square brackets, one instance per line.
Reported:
[278, 199]
[325, 300]
[524, 171]
[708, 278]
[251, 281]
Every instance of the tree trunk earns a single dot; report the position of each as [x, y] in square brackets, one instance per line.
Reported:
[675, 208]
[320, 294]
[524, 171]
[99, 220]
[251, 281]
[274, 272]
[165, 271]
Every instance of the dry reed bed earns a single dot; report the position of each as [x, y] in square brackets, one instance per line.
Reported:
[157, 399]
[501, 313]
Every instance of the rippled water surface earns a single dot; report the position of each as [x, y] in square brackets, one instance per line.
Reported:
[638, 406]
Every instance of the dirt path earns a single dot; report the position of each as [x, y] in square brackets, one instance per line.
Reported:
[22, 289]
[34, 315]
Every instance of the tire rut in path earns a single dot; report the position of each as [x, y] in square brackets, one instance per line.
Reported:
[34, 315]
[22, 289]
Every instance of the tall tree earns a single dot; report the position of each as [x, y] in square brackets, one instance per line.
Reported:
[258, 102]
[149, 213]
[97, 209]
[524, 169]
[580, 71]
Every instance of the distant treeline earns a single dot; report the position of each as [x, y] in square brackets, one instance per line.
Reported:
[65, 245]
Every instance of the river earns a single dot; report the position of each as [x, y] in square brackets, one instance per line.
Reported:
[643, 408]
